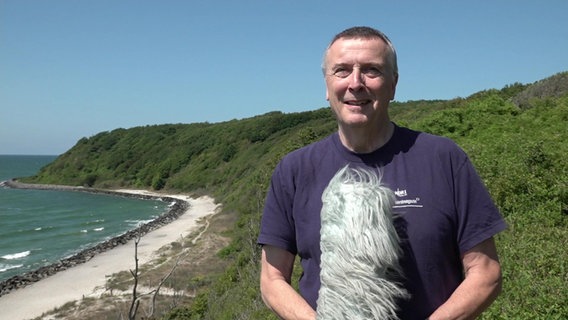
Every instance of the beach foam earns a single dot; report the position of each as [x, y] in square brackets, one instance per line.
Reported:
[4, 267]
[18, 255]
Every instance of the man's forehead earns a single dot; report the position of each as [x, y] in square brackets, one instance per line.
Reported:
[350, 50]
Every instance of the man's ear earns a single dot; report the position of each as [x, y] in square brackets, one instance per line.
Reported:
[394, 83]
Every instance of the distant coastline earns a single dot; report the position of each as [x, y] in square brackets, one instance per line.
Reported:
[176, 208]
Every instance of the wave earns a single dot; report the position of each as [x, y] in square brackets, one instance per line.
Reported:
[138, 223]
[46, 228]
[99, 229]
[4, 267]
[97, 221]
[14, 256]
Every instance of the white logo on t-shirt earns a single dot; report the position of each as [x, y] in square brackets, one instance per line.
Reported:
[400, 193]
[406, 203]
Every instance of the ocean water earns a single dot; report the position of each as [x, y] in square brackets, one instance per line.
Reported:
[40, 227]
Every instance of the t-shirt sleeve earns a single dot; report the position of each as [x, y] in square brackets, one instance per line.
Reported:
[478, 217]
[277, 222]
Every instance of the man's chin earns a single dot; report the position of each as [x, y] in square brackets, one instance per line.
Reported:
[356, 122]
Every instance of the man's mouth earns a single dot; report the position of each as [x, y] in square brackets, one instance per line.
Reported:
[357, 102]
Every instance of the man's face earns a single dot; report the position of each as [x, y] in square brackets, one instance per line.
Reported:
[360, 81]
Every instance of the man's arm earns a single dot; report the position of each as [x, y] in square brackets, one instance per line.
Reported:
[481, 286]
[275, 277]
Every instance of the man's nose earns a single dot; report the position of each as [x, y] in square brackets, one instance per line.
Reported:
[357, 79]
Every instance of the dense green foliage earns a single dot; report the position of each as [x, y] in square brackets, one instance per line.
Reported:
[516, 137]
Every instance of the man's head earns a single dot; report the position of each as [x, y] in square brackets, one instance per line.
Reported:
[364, 33]
[361, 74]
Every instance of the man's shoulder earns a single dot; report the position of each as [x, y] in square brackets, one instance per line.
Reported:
[408, 133]
[425, 141]
[306, 158]
[313, 149]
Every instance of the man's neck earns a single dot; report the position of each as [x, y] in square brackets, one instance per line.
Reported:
[366, 140]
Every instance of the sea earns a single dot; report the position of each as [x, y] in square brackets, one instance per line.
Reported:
[41, 227]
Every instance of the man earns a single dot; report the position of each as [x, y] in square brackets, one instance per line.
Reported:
[446, 219]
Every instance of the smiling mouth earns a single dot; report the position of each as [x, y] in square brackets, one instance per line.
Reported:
[357, 102]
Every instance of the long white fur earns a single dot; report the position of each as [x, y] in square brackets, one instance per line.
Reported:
[360, 249]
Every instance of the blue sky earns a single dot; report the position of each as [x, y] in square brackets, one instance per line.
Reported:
[71, 69]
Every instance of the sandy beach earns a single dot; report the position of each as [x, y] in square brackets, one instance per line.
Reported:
[88, 279]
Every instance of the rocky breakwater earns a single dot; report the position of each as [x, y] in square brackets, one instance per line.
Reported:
[176, 208]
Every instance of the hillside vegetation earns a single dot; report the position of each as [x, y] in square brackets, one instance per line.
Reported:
[515, 136]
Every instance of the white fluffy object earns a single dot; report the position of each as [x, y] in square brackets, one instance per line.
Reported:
[360, 249]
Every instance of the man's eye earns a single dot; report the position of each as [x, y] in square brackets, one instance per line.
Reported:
[341, 73]
[371, 72]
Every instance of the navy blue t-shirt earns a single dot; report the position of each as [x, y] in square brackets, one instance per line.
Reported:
[442, 207]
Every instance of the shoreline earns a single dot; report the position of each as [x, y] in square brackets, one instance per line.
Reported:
[84, 273]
